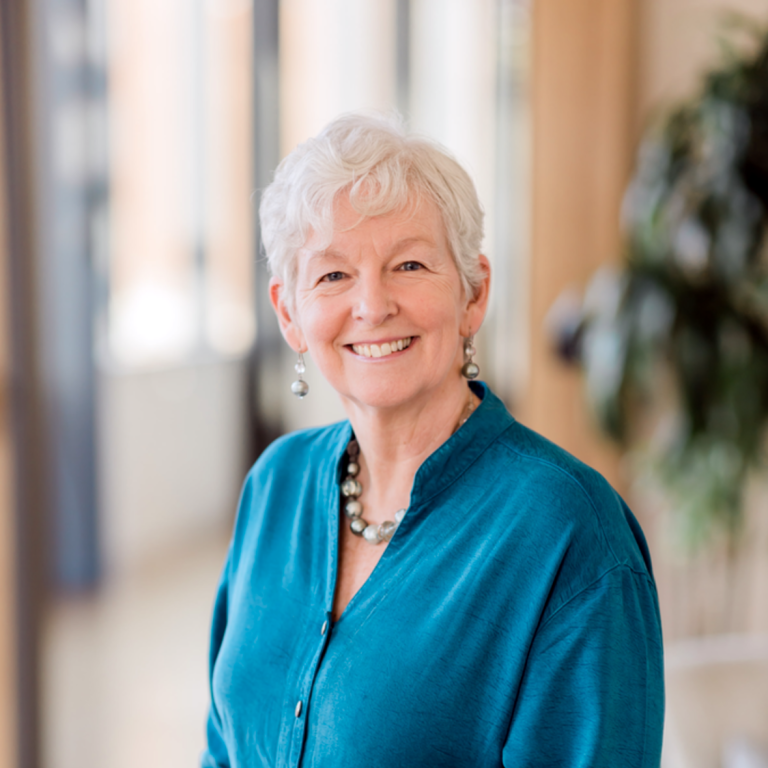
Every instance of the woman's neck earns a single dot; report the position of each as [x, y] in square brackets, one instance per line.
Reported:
[394, 443]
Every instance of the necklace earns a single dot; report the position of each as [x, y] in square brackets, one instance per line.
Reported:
[352, 489]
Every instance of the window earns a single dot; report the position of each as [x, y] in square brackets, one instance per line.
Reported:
[181, 203]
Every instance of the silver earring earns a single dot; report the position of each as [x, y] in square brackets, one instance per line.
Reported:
[300, 387]
[470, 369]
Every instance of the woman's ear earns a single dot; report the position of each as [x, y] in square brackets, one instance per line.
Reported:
[477, 304]
[286, 315]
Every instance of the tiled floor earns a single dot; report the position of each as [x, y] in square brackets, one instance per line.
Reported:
[125, 673]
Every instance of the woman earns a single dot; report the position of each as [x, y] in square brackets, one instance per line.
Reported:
[428, 583]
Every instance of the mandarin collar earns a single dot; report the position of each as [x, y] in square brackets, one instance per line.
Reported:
[454, 456]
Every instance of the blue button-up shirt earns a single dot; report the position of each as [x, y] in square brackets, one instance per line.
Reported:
[511, 621]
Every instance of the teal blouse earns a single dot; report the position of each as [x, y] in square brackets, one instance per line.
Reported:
[511, 621]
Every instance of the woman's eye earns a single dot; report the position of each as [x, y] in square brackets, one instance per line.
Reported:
[332, 277]
[410, 266]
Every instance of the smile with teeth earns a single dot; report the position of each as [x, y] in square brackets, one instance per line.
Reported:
[382, 350]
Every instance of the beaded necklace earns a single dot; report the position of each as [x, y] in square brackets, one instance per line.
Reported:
[351, 489]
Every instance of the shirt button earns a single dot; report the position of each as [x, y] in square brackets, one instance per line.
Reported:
[324, 627]
[298, 710]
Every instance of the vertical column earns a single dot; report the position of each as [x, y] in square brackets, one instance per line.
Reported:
[335, 56]
[582, 104]
[8, 677]
[452, 89]
[265, 420]
[70, 176]
[21, 422]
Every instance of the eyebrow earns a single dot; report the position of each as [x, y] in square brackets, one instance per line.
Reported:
[397, 248]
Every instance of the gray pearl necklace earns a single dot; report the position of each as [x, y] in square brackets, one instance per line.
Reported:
[352, 489]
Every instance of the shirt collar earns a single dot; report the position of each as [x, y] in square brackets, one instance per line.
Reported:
[463, 447]
[455, 455]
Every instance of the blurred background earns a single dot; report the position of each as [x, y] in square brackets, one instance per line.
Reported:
[141, 370]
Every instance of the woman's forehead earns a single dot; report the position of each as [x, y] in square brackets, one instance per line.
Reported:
[419, 221]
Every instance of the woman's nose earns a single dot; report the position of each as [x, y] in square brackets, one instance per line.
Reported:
[374, 301]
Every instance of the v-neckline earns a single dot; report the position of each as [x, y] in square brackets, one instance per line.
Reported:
[431, 478]
[336, 521]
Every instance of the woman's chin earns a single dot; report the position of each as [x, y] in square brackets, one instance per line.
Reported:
[387, 394]
[384, 399]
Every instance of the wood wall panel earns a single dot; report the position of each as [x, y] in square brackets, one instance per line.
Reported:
[583, 122]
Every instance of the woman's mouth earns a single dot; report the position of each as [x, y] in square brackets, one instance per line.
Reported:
[382, 350]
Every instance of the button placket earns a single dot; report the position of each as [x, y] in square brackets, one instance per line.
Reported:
[304, 691]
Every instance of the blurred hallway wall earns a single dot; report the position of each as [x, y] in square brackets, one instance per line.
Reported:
[175, 323]
[600, 70]
[583, 101]
[677, 39]
[172, 455]
[8, 681]
[718, 591]
[23, 458]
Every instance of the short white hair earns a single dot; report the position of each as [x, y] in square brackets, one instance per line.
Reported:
[383, 169]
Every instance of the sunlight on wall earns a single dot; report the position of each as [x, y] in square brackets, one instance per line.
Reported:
[181, 208]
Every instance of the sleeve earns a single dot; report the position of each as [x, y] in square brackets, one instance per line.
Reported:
[592, 694]
[216, 754]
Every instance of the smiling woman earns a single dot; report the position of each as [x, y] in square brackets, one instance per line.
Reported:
[428, 582]
[381, 280]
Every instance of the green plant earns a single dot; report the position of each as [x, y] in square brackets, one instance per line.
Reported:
[692, 296]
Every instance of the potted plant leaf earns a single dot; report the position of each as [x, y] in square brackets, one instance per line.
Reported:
[691, 299]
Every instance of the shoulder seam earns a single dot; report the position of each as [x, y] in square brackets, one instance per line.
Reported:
[619, 566]
[576, 482]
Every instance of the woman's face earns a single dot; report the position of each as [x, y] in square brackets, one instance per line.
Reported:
[381, 310]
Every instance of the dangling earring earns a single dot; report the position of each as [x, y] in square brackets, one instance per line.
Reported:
[300, 387]
[470, 369]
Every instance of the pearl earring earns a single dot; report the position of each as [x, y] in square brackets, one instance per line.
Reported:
[470, 369]
[300, 387]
